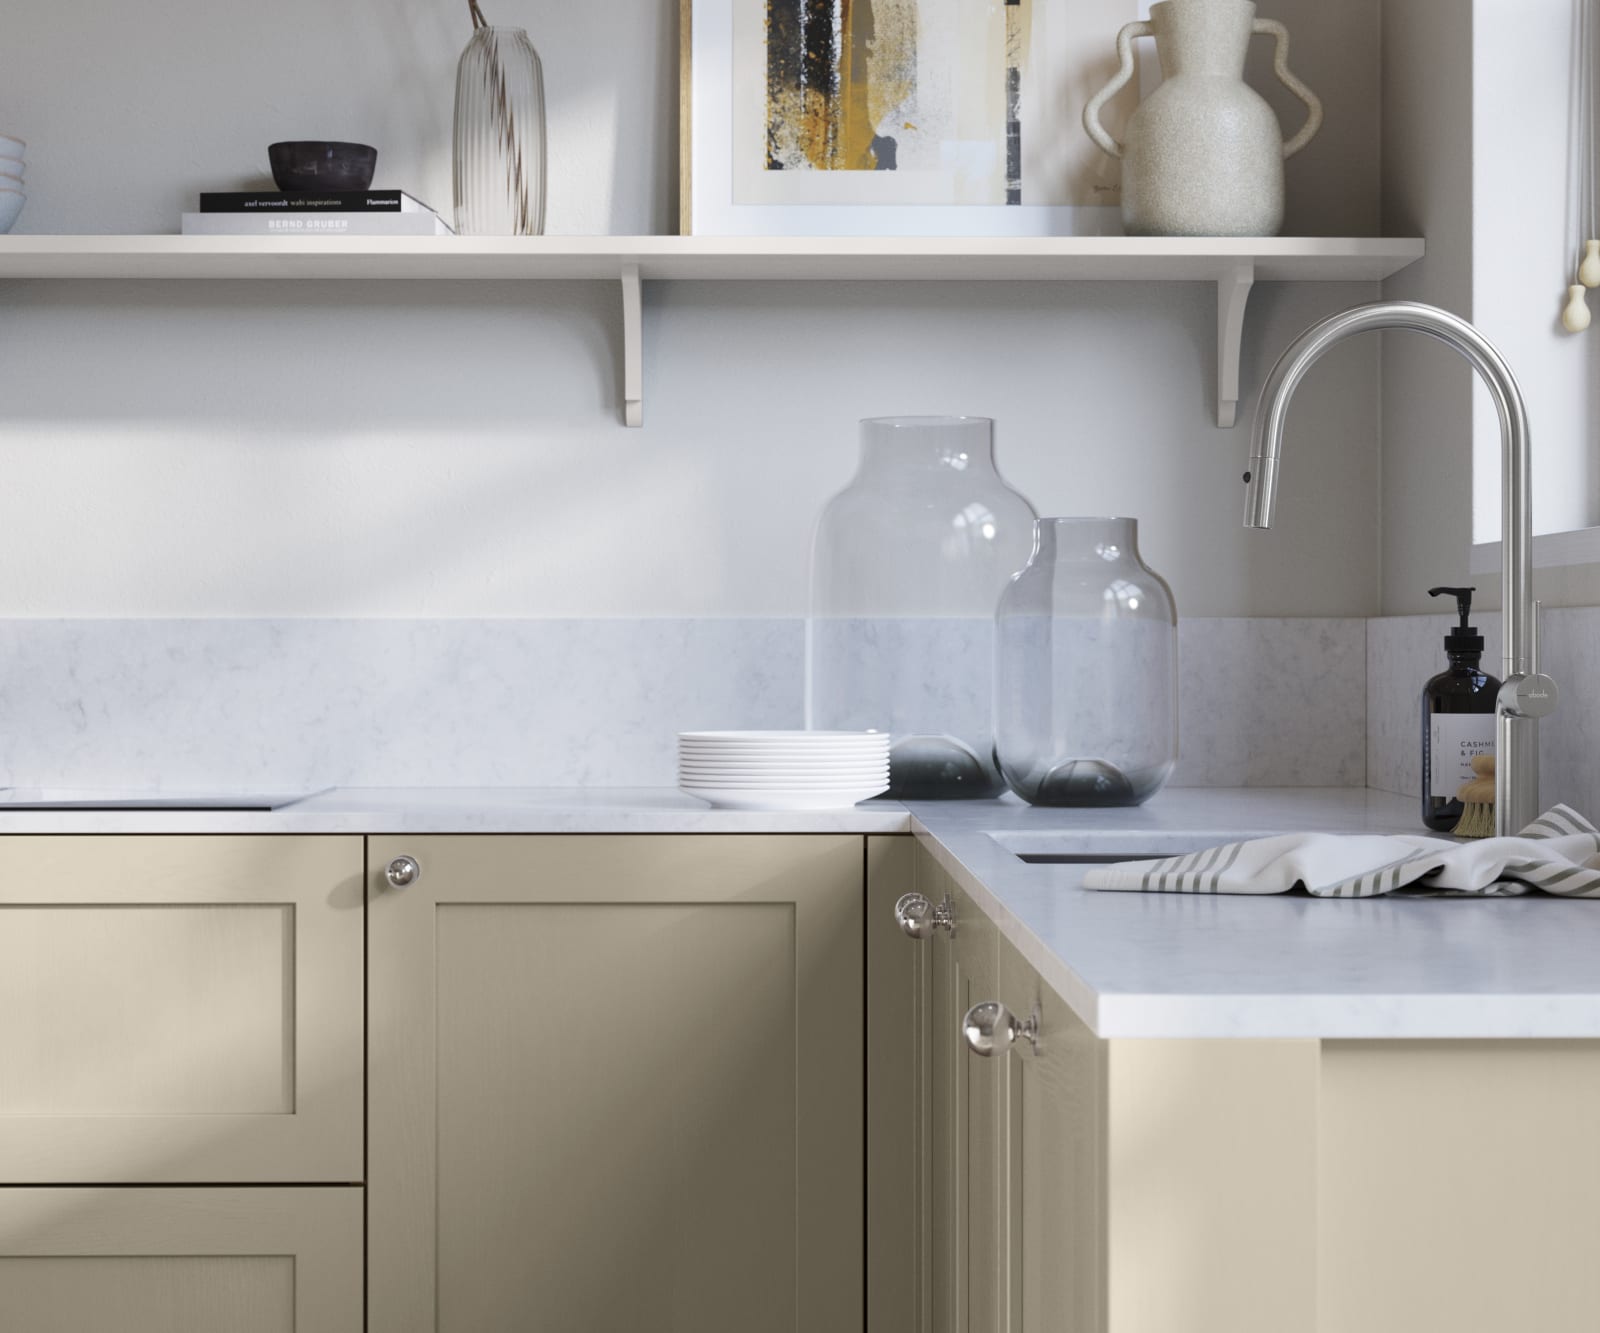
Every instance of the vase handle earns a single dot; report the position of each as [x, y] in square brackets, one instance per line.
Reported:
[1280, 66]
[1091, 113]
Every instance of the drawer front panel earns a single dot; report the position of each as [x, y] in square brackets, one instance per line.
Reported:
[184, 1260]
[184, 1009]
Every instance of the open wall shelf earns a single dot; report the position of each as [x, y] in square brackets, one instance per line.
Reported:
[1233, 264]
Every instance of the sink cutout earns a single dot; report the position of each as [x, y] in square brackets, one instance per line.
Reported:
[1085, 858]
[1095, 847]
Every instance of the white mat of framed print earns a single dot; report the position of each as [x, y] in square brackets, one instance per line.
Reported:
[898, 117]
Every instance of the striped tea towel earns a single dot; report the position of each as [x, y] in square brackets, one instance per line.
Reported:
[1557, 853]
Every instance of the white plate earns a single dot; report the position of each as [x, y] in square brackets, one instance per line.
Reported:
[855, 780]
[791, 740]
[734, 778]
[785, 800]
[787, 747]
[803, 736]
[833, 784]
[787, 765]
[797, 765]
[786, 752]
[830, 784]
[874, 764]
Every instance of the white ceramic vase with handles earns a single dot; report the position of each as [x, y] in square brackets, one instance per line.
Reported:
[1204, 153]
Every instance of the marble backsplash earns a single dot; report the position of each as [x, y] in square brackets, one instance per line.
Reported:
[313, 703]
[1404, 651]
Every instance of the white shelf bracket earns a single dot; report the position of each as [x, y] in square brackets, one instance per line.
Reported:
[632, 347]
[1233, 294]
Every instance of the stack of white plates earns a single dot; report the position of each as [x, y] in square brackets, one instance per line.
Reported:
[13, 167]
[783, 770]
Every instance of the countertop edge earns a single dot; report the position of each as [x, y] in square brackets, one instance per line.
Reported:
[1054, 970]
[1176, 967]
[379, 811]
[1122, 976]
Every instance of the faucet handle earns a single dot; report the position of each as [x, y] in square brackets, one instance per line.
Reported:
[1528, 694]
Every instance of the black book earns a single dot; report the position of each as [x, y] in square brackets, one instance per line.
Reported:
[329, 201]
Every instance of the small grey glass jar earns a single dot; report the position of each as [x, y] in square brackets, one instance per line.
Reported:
[1086, 669]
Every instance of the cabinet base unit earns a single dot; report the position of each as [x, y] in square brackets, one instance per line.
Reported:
[181, 1260]
[1073, 1184]
[616, 1083]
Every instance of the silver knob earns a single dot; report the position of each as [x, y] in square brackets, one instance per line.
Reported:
[401, 871]
[919, 918]
[991, 1028]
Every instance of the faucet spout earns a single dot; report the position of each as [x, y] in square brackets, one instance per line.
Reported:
[1527, 695]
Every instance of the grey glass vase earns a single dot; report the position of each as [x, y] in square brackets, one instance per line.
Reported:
[1086, 669]
[907, 564]
[499, 136]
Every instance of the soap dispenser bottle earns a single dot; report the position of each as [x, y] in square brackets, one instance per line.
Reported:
[1458, 718]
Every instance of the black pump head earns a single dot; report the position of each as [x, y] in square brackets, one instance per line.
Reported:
[1462, 639]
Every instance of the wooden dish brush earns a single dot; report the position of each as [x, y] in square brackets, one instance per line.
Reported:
[1477, 801]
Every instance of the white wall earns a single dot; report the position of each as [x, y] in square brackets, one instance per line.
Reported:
[441, 450]
[131, 107]
[1475, 158]
[1427, 389]
[1526, 239]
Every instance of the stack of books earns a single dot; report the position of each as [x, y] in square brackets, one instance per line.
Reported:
[335, 213]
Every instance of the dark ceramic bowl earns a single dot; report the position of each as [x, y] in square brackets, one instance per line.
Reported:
[312, 164]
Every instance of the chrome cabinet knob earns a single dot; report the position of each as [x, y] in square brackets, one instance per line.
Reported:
[919, 918]
[401, 871]
[990, 1028]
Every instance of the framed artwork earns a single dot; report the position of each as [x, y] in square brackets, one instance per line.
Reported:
[897, 117]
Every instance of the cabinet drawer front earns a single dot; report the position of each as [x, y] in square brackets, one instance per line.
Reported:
[131, 1260]
[617, 1083]
[180, 1009]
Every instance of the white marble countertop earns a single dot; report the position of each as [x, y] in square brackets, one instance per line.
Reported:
[472, 810]
[1131, 965]
[1184, 965]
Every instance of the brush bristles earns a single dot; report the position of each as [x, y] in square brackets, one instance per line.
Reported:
[1477, 821]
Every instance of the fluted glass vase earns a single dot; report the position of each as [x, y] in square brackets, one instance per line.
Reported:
[1086, 669]
[499, 140]
[907, 565]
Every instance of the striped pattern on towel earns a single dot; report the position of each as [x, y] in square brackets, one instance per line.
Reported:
[1559, 853]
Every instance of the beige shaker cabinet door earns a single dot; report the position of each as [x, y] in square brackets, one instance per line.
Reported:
[946, 1058]
[962, 1162]
[899, 1283]
[181, 1260]
[978, 1133]
[616, 1084]
[1055, 1096]
[1012, 1220]
[180, 1009]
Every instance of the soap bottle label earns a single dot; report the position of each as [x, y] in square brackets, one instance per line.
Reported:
[1457, 737]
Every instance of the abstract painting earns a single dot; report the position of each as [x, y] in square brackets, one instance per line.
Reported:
[958, 116]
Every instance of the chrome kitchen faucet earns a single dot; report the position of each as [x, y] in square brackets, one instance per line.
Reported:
[1527, 695]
